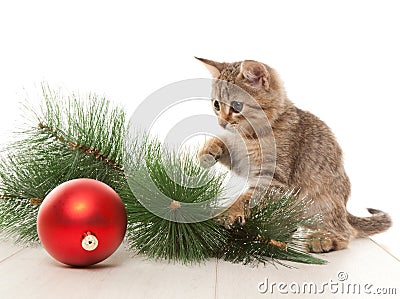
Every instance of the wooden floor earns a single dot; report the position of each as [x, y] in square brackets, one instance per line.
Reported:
[364, 268]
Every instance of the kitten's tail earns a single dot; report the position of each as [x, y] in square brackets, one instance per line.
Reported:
[366, 226]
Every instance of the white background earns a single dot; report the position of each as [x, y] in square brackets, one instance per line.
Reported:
[338, 59]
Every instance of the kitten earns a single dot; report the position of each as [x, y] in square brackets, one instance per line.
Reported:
[308, 156]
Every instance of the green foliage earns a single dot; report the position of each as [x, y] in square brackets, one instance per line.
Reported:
[272, 232]
[176, 192]
[60, 146]
[74, 138]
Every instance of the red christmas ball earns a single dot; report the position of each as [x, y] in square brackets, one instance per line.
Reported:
[81, 222]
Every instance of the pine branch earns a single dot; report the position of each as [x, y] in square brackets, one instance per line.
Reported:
[83, 148]
[93, 125]
[44, 156]
[164, 184]
[270, 235]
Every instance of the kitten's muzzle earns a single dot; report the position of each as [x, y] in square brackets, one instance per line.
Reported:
[223, 123]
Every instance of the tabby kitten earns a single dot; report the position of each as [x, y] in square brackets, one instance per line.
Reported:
[307, 154]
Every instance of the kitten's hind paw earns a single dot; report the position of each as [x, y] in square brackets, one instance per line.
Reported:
[207, 161]
[320, 243]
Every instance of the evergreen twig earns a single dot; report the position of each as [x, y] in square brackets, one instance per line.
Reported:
[164, 183]
[272, 232]
[42, 157]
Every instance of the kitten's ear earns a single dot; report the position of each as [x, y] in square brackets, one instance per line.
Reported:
[214, 67]
[255, 74]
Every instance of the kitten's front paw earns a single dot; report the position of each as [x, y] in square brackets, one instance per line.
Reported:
[210, 154]
[230, 218]
[207, 161]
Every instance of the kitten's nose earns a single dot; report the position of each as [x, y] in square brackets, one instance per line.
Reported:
[222, 122]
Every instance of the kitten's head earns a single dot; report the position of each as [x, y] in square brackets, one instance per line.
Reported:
[244, 94]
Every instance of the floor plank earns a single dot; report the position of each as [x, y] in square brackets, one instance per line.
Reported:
[363, 266]
[120, 276]
[31, 273]
[8, 249]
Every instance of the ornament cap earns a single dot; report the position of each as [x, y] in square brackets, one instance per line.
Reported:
[175, 205]
[89, 241]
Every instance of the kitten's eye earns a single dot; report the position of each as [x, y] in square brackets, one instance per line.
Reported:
[237, 106]
[216, 105]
